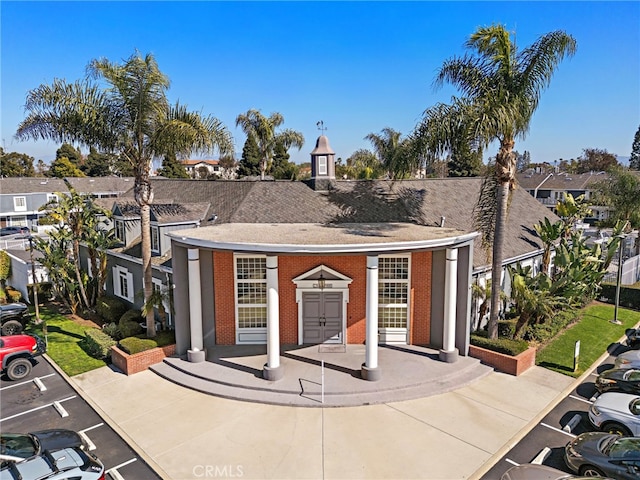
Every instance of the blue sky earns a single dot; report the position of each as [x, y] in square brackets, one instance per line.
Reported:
[357, 66]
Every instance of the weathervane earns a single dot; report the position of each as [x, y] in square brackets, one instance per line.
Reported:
[321, 127]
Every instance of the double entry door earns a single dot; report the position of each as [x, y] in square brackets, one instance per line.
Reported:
[322, 317]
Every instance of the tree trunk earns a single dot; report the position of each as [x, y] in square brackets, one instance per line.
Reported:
[502, 201]
[505, 174]
[76, 264]
[144, 198]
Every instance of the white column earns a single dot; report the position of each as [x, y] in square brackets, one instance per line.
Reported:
[370, 369]
[196, 353]
[272, 370]
[449, 352]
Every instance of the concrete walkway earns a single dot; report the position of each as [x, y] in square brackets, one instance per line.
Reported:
[186, 434]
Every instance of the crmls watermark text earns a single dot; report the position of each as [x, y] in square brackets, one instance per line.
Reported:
[218, 471]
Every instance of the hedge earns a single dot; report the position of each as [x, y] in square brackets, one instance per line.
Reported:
[97, 343]
[110, 309]
[501, 345]
[139, 343]
[629, 296]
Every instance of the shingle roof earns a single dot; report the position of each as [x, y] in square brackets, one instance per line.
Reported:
[559, 181]
[15, 185]
[422, 202]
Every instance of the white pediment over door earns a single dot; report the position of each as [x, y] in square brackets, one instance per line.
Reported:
[313, 278]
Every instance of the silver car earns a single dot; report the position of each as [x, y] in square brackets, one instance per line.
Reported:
[628, 359]
[63, 464]
[616, 412]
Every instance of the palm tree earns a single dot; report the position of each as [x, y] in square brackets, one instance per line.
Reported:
[501, 89]
[129, 115]
[263, 130]
[392, 152]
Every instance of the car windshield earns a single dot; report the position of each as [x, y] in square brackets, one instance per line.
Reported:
[623, 447]
[17, 445]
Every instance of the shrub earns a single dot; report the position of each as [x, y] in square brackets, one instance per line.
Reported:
[97, 343]
[133, 345]
[110, 309]
[14, 295]
[507, 328]
[544, 332]
[112, 330]
[129, 323]
[501, 345]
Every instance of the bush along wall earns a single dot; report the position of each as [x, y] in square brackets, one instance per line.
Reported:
[97, 344]
[629, 297]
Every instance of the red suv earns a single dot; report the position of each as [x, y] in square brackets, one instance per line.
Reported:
[17, 354]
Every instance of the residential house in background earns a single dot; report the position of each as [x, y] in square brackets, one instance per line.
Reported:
[202, 168]
[551, 187]
[21, 198]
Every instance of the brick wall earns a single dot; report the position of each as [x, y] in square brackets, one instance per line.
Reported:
[505, 363]
[224, 297]
[420, 322]
[352, 266]
[139, 362]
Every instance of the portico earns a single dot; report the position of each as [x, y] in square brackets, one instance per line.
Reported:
[314, 283]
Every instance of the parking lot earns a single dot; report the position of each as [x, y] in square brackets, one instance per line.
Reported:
[45, 400]
[545, 443]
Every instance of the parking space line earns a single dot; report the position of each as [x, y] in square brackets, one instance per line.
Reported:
[91, 428]
[581, 399]
[558, 430]
[113, 470]
[24, 383]
[511, 462]
[37, 408]
[83, 434]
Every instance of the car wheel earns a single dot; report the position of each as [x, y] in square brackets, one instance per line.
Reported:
[19, 368]
[616, 429]
[12, 327]
[589, 471]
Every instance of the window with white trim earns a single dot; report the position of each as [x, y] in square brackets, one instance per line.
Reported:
[393, 291]
[251, 292]
[119, 230]
[52, 198]
[20, 204]
[123, 283]
[322, 165]
[155, 239]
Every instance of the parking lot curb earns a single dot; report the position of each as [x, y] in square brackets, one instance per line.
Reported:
[524, 431]
[112, 423]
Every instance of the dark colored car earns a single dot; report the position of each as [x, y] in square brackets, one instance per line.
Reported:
[619, 380]
[15, 447]
[531, 471]
[14, 230]
[633, 338]
[604, 454]
[18, 353]
[13, 318]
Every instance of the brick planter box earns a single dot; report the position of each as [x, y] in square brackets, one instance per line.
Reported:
[138, 362]
[505, 363]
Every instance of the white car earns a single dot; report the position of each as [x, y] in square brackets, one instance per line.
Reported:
[616, 412]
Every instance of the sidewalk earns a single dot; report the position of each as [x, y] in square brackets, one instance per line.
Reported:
[189, 435]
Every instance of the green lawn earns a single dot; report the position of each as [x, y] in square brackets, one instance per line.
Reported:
[62, 343]
[596, 334]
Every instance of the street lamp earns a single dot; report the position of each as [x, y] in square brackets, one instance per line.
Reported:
[621, 237]
[35, 283]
